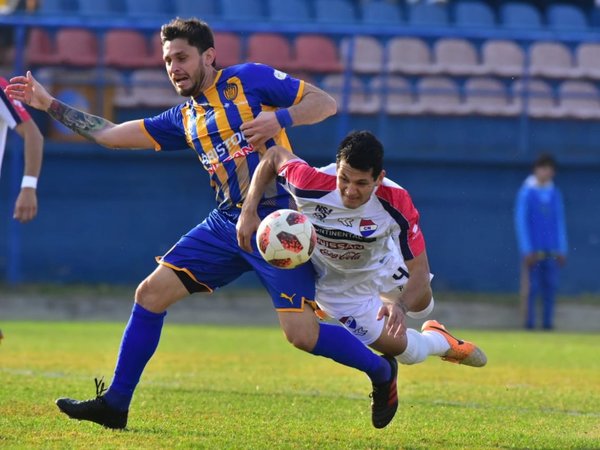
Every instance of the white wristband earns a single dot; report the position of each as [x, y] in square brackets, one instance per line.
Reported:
[29, 182]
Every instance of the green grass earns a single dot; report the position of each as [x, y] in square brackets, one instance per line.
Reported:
[224, 387]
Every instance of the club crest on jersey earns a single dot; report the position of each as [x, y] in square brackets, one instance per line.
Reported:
[231, 91]
[367, 227]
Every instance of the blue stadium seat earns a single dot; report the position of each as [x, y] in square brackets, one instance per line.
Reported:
[380, 12]
[66, 7]
[331, 11]
[425, 14]
[562, 16]
[202, 10]
[473, 14]
[92, 8]
[516, 15]
[250, 10]
[289, 10]
[148, 8]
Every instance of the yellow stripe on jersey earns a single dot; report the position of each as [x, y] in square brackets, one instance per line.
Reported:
[226, 132]
[143, 127]
[209, 151]
[300, 92]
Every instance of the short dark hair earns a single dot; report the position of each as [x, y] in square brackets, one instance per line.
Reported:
[545, 160]
[197, 32]
[362, 151]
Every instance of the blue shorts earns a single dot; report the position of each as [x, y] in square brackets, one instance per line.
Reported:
[210, 256]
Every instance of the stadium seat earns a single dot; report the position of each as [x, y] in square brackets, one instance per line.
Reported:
[156, 59]
[334, 11]
[148, 8]
[380, 13]
[207, 10]
[358, 102]
[425, 14]
[288, 11]
[537, 95]
[456, 57]
[95, 8]
[39, 49]
[550, 59]
[271, 49]
[487, 96]
[587, 60]
[367, 55]
[473, 14]
[148, 87]
[438, 95]
[57, 7]
[125, 49]
[316, 53]
[579, 99]
[566, 17]
[76, 47]
[503, 58]
[393, 93]
[229, 49]
[409, 56]
[515, 15]
[242, 10]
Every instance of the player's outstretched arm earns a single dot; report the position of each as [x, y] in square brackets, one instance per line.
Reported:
[26, 205]
[28, 90]
[271, 161]
[314, 106]
[416, 295]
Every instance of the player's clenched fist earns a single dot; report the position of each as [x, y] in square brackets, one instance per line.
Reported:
[26, 89]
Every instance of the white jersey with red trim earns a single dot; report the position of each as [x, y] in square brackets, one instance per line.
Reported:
[12, 113]
[355, 247]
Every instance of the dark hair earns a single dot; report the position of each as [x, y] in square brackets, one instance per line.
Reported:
[362, 151]
[195, 31]
[545, 160]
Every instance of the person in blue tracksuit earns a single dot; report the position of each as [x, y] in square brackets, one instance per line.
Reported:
[542, 239]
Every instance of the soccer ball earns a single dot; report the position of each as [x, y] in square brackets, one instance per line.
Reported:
[286, 238]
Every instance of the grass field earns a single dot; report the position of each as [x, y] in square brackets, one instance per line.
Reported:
[225, 387]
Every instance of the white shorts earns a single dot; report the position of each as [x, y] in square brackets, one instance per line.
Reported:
[356, 307]
[359, 316]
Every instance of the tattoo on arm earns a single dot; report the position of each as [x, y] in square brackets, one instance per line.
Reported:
[80, 122]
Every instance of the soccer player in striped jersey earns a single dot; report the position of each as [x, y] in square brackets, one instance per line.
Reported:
[369, 243]
[14, 116]
[230, 117]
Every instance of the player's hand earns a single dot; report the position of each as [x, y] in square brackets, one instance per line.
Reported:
[395, 314]
[261, 129]
[26, 205]
[28, 90]
[246, 227]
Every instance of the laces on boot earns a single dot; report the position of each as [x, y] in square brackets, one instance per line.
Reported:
[100, 387]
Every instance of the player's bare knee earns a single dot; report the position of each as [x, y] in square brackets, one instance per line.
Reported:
[301, 339]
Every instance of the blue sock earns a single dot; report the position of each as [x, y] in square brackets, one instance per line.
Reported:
[337, 343]
[139, 342]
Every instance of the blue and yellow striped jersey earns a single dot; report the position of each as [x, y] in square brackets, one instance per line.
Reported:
[210, 124]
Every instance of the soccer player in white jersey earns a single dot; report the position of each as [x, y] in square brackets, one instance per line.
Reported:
[14, 115]
[369, 244]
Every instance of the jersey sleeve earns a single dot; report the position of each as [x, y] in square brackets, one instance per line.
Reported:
[302, 180]
[272, 86]
[397, 202]
[166, 130]
[11, 111]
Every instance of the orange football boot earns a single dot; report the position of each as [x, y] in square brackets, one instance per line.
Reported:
[461, 352]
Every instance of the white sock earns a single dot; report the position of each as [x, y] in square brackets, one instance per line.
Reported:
[423, 313]
[421, 345]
